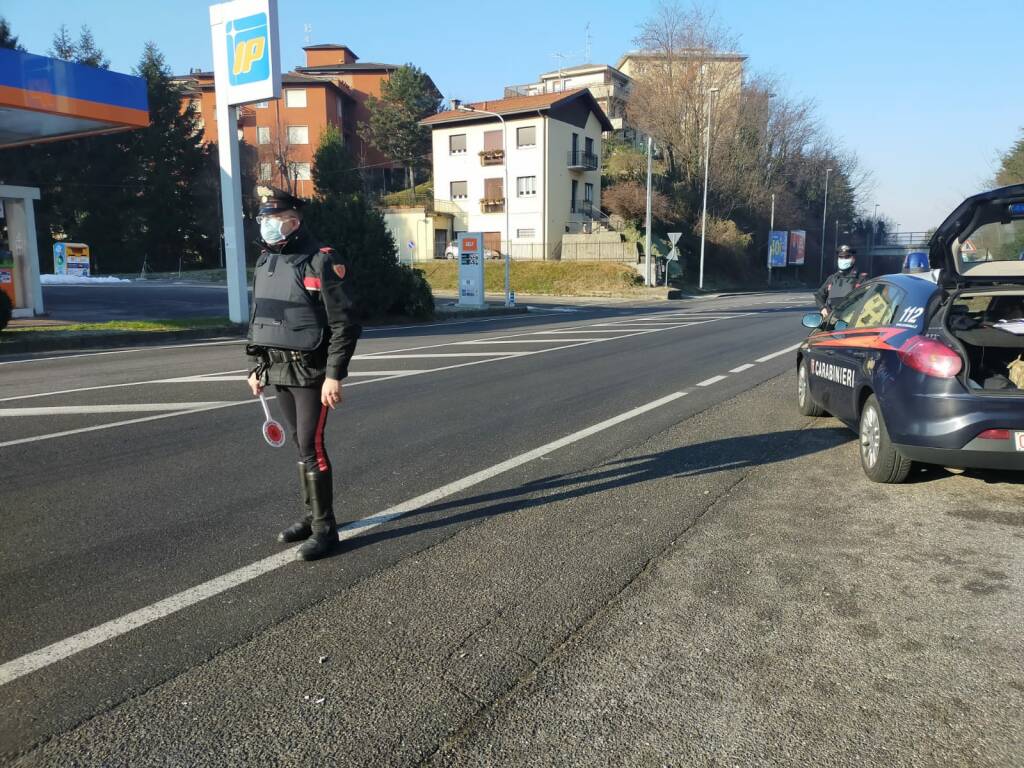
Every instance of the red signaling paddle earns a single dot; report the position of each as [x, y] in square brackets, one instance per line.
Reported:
[273, 432]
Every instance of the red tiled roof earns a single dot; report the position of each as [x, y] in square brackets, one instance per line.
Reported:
[511, 106]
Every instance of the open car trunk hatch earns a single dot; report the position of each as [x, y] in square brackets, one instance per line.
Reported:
[982, 241]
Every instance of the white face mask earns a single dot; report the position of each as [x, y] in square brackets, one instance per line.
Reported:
[275, 230]
[270, 230]
[844, 264]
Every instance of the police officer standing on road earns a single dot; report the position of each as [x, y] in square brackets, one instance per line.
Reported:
[302, 333]
[840, 284]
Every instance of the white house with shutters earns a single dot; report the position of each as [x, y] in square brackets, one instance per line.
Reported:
[551, 157]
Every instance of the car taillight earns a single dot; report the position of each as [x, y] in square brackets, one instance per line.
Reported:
[931, 357]
[995, 434]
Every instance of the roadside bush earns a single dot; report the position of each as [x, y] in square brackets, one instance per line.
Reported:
[729, 243]
[5, 310]
[340, 216]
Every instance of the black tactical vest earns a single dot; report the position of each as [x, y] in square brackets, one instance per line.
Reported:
[842, 286]
[285, 315]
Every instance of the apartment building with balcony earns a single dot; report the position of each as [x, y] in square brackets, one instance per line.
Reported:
[551, 156]
[722, 70]
[608, 86]
[331, 89]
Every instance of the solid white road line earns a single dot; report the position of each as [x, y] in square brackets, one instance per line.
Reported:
[773, 355]
[200, 377]
[72, 410]
[522, 341]
[51, 654]
[578, 330]
[742, 368]
[712, 380]
[404, 356]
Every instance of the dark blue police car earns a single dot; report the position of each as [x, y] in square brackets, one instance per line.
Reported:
[930, 367]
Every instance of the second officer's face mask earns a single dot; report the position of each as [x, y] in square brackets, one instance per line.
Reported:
[844, 264]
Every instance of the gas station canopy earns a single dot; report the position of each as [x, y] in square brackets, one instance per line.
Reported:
[44, 99]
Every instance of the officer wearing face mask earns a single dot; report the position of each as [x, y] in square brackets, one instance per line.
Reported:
[840, 284]
[302, 333]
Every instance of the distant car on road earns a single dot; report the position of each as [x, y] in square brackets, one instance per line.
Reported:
[452, 252]
[924, 369]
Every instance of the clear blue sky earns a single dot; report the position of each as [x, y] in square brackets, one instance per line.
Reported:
[926, 92]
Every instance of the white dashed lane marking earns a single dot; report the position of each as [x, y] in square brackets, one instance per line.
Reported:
[712, 380]
[742, 368]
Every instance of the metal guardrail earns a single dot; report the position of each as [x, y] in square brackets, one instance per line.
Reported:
[907, 239]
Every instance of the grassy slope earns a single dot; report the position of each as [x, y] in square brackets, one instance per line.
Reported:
[555, 278]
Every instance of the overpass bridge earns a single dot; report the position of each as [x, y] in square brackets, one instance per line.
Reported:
[887, 255]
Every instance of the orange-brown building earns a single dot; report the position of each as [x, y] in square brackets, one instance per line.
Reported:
[332, 89]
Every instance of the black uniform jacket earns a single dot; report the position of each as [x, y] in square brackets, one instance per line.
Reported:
[329, 279]
[837, 287]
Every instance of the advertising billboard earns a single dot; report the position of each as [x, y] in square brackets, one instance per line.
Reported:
[778, 243]
[797, 246]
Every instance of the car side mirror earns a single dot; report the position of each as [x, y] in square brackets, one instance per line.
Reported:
[841, 325]
[812, 320]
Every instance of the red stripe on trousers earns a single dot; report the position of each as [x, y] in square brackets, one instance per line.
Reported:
[321, 456]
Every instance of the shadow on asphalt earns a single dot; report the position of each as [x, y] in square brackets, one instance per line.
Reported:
[706, 458]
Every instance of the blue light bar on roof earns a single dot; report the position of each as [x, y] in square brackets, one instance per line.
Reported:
[1017, 209]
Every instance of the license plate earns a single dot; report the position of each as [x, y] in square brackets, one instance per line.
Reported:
[1018, 440]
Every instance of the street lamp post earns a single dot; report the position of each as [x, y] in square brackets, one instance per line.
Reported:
[504, 162]
[707, 163]
[647, 222]
[824, 213]
[771, 226]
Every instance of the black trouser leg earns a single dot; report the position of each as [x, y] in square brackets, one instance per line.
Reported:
[306, 419]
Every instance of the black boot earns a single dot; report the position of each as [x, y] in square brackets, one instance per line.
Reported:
[301, 530]
[321, 500]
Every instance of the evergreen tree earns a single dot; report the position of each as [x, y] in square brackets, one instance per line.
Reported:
[7, 40]
[1011, 167]
[63, 47]
[86, 51]
[168, 157]
[394, 127]
[340, 216]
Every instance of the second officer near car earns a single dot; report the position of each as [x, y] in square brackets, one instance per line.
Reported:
[840, 284]
[302, 334]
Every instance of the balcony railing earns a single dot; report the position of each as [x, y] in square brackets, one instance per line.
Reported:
[582, 160]
[492, 157]
[492, 205]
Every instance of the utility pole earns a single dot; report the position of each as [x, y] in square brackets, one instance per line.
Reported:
[647, 221]
[824, 213]
[707, 163]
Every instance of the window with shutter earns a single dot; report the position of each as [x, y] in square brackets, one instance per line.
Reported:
[526, 136]
[456, 143]
[492, 140]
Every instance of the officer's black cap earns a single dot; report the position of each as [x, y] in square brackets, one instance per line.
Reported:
[274, 200]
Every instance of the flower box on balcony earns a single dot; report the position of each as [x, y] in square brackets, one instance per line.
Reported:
[492, 157]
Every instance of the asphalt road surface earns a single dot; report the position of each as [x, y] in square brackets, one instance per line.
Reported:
[131, 300]
[594, 534]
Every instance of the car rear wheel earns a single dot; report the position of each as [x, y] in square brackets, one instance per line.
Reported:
[803, 393]
[881, 461]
